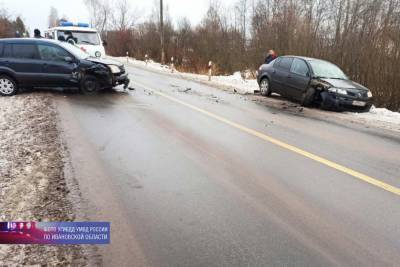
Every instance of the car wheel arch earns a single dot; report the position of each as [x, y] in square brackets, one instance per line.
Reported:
[10, 75]
[265, 76]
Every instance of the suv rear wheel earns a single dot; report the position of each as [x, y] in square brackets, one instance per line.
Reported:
[8, 86]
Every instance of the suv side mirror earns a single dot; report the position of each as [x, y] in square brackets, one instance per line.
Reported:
[69, 59]
[104, 43]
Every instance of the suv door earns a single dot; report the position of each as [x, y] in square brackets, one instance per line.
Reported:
[23, 59]
[299, 79]
[280, 77]
[2, 61]
[56, 69]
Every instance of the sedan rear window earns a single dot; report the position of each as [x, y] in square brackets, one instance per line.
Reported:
[285, 63]
[299, 67]
[1, 49]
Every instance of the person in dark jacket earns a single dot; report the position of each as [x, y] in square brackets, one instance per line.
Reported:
[37, 33]
[270, 57]
[69, 38]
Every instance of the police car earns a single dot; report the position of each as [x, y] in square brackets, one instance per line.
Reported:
[80, 35]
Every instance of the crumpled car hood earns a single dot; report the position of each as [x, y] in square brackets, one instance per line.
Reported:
[104, 61]
[344, 84]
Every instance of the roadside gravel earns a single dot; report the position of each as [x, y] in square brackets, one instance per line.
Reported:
[33, 186]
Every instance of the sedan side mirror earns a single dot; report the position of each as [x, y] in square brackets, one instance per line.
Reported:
[104, 43]
[69, 59]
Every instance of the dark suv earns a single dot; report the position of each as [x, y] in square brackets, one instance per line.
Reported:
[46, 63]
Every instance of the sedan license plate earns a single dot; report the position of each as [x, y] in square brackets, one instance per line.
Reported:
[359, 103]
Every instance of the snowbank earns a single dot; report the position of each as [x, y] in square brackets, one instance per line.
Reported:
[380, 115]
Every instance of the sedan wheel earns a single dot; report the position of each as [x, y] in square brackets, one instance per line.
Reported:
[265, 88]
[7, 86]
[308, 97]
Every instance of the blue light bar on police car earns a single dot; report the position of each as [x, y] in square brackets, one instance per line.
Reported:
[70, 24]
[84, 25]
[66, 24]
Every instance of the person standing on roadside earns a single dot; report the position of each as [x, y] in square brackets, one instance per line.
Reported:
[69, 38]
[37, 33]
[270, 57]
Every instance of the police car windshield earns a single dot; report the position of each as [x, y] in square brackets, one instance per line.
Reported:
[79, 37]
[77, 52]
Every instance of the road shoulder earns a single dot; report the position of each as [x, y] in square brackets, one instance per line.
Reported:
[33, 183]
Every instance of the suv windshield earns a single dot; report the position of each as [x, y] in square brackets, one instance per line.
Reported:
[77, 52]
[323, 69]
[83, 38]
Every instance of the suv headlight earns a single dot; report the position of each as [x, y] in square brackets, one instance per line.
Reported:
[338, 91]
[114, 69]
[369, 94]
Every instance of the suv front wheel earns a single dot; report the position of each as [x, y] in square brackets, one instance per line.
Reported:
[8, 86]
[89, 85]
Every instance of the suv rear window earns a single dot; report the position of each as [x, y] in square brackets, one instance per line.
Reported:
[26, 51]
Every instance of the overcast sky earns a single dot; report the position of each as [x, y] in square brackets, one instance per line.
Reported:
[35, 12]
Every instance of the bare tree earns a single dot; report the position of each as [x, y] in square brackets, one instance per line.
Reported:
[123, 16]
[100, 14]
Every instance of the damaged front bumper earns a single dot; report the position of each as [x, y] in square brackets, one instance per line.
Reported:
[122, 79]
[333, 101]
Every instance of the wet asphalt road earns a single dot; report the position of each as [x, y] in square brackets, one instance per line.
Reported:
[184, 189]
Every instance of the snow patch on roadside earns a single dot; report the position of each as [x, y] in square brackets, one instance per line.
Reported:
[235, 81]
[381, 114]
[379, 117]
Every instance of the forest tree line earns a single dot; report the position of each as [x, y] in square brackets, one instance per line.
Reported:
[10, 27]
[360, 36]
